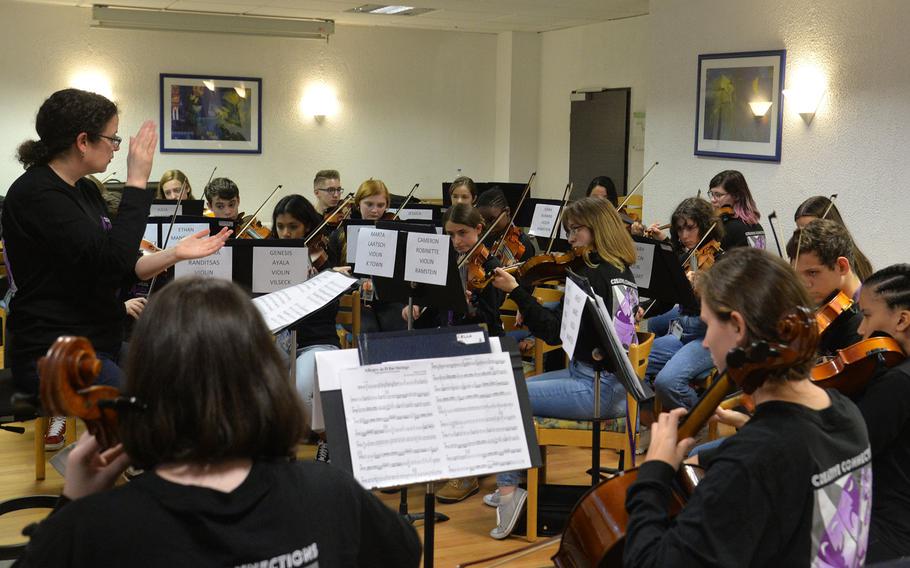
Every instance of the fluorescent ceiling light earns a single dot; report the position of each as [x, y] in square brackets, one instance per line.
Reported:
[392, 10]
[213, 22]
[389, 10]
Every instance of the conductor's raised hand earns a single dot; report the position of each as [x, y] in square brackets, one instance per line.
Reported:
[200, 245]
[504, 281]
[665, 446]
[141, 154]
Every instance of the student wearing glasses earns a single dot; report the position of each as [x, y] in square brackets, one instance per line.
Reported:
[68, 256]
[730, 196]
[327, 189]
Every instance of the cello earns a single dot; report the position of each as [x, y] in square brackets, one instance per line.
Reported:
[595, 532]
[68, 372]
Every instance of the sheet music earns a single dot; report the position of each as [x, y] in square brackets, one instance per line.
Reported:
[573, 308]
[329, 366]
[432, 419]
[284, 307]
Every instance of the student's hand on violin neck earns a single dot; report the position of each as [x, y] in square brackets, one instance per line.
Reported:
[141, 154]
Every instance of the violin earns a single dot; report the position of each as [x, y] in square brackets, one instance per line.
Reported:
[510, 246]
[725, 213]
[542, 267]
[851, 369]
[336, 215]
[249, 227]
[838, 304]
[475, 271]
[595, 532]
[67, 373]
[704, 257]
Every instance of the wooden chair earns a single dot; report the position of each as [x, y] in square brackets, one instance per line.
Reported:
[348, 315]
[614, 433]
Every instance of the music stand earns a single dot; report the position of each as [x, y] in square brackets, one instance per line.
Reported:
[336, 421]
[659, 273]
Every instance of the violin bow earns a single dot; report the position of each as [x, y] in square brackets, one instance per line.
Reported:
[406, 200]
[637, 185]
[169, 229]
[555, 230]
[771, 219]
[334, 212]
[695, 249]
[479, 242]
[497, 248]
[830, 205]
[258, 209]
[211, 175]
[107, 177]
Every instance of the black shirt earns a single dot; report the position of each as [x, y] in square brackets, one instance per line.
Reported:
[319, 328]
[302, 514]
[841, 333]
[483, 308]
[619, 292]
[738, 234]
[68, 260]
[787, 490]
[886, 407]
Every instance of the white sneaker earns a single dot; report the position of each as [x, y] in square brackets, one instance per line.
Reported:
[492, 499]
[507, 513]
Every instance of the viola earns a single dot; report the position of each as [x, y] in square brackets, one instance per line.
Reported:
[595, 532]
[851, 369]
[67, 373]
[838, 304]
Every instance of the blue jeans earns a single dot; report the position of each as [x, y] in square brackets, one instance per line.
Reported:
[25, 377]
[306, 377]
[660, 324]
[675, 362]
[569, 393]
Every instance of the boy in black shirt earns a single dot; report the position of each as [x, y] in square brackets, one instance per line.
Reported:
[822, 253]
[222, 197]
[793, 487]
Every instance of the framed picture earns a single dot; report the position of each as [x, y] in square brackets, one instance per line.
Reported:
[211, 114]
[740, 107]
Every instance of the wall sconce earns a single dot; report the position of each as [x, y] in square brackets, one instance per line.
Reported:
[806, 93]
[760, 108]
[319, 101]
[93, 82]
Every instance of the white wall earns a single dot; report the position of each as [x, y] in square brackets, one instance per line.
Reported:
[857, 146]
[415, 105]
[598, 56]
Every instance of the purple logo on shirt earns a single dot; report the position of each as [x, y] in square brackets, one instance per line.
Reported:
[843, 508]
[106, 224]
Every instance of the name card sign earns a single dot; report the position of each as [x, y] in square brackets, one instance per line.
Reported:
[276, 268]
[543, 220]
[376, 252]
[644, 262]
[353, 232]
[164, 210]
[151, 234]
[422, 214]
[181, 230]
[426, 258]
[217, 265]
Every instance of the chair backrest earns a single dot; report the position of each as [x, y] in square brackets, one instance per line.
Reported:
[639, 352]
[507, 312]
[349, 314]
[544, 295]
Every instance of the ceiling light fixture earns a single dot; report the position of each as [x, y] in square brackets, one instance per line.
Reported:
[214, 22]
[389, 10]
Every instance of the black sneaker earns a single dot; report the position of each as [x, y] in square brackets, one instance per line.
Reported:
[322, 452]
